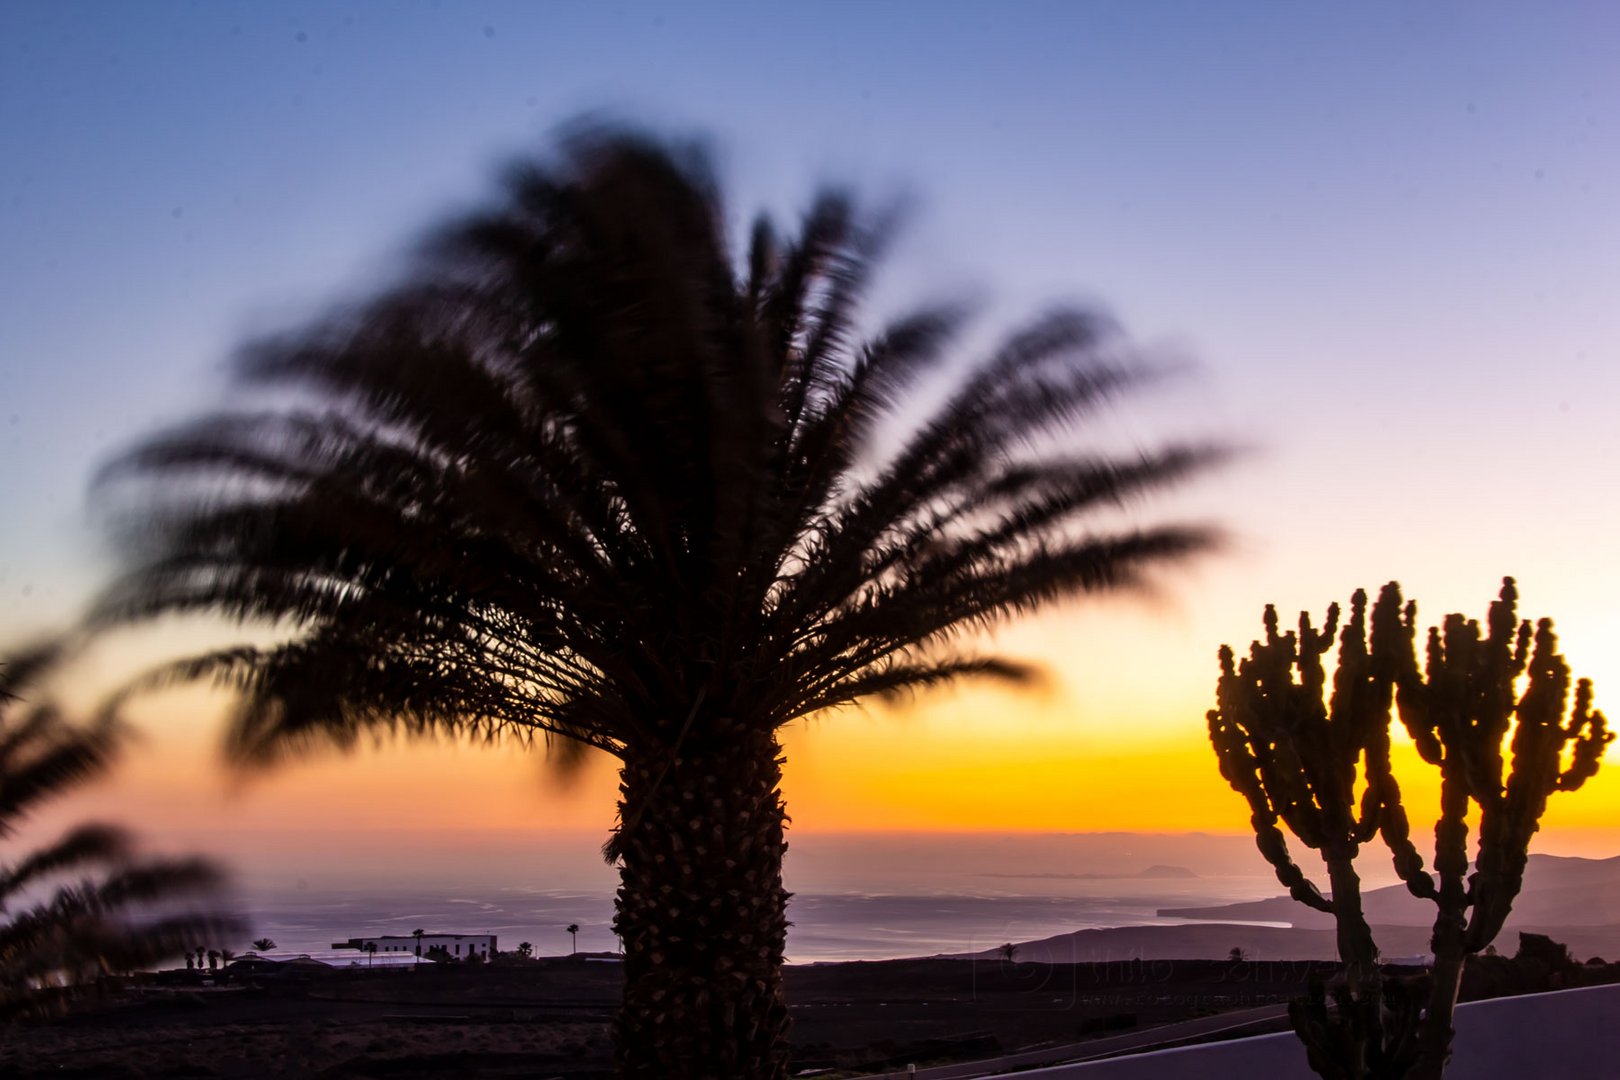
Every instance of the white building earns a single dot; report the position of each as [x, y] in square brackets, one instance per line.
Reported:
[459, 946]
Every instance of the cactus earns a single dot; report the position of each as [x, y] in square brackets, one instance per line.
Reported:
[1294, 755]
[1295, 759]
[1459, 714]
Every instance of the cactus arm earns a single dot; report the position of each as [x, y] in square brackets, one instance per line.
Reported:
[1589, 733]
[1252, 770]
[1387, 656]
[1350, 716]
[1539, 741]
[1511, 816]
[1397, 834]
[1294, 752]
[1471, 704]
[1258, 732]
[1274, 846]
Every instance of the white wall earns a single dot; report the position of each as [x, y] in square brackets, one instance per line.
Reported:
[459, 946]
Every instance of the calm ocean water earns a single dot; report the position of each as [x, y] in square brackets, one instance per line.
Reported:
[864, 896]
[837, 926]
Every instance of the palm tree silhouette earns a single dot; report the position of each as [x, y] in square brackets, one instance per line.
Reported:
[580, 477]
[264, 944]
[573, 933]
[418, 934]
[56, 935]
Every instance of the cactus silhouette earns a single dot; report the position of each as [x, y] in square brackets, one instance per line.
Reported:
[1294, 757]
[1459, 714]
[1294, 753]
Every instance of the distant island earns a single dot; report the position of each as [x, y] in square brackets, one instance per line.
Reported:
[1559, 893]
[1575, 901]
[1161, 873]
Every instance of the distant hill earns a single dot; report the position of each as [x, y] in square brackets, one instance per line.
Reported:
[1215, 941]
[1558, 892]
[1159, 873]
[1574, 901]
[1200, 941]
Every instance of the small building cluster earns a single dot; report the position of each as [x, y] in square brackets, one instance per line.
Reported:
[458, 946]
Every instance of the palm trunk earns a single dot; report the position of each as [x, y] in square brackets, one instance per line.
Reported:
[701, 910]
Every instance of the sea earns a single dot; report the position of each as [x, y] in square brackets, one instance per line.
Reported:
[854, 898]
[825, 926]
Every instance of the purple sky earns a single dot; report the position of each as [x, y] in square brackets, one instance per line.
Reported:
[1387, 234]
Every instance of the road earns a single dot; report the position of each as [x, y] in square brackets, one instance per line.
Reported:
[1244, 1021]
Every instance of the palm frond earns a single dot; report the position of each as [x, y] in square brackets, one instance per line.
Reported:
[892, 679]
[580, 472]
[85, 845]
[106, 908]
[41, 757]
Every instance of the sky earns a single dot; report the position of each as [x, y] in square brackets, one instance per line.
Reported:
[1383, 238]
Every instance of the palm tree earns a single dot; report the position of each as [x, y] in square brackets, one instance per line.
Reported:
[573, 934]
[86, 904]
[418, 934]
[579, 477]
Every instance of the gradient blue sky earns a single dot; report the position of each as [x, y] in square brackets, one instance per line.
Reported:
[1387, 234]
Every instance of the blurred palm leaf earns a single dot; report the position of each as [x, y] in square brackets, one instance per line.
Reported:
[583, 475]
[574, 472]
[85, 904]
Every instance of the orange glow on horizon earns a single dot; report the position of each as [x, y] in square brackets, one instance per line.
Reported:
[977, 760]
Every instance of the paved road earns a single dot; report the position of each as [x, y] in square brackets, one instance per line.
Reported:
[1251, 1021]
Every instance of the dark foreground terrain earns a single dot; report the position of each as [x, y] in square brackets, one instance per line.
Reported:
[551, 1018]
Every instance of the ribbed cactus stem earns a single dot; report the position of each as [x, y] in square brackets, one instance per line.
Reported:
[1295, 753]
[1459, 713]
